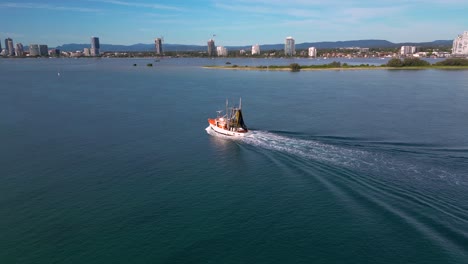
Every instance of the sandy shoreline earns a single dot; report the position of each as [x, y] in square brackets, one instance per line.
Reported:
[286, 68]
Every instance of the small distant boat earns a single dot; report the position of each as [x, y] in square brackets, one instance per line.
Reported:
[230, 124]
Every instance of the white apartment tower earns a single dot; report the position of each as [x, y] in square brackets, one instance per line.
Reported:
[158, 46]
[312, 52]
[289, 47]
[408, 50]
[34, 50]
[221, 51]
[460, 45]
[19, 51]
[256, 49]
[86, 52]
[10, 47]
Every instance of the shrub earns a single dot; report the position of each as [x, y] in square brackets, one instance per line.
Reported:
[408, 62]
[295, 67]
[335, 64]
[453, 62]
[395, 62]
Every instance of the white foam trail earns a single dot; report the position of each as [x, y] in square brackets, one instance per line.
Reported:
[306, 148]
[373, 162]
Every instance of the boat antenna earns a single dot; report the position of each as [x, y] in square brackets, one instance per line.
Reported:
[240, 102]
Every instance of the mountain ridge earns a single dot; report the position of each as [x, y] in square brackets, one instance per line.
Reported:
[369, 43]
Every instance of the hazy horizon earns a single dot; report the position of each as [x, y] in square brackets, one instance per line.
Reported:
[234, 23]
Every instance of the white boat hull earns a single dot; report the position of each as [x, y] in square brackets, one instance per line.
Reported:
[227, 132]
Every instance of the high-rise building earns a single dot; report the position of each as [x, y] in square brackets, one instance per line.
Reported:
[43, 50]
[86, 52]
[95, 46]
[408, 50]
[0, 46]
[19, 51]
[158, 46]
[221, 51]
[34, 50]
[211, 48]
[289, 47]
[9, 46]
[6, 46]
[312, 52]
[460, 45]
[256, 49]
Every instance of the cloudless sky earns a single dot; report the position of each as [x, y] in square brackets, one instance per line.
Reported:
[235, 22]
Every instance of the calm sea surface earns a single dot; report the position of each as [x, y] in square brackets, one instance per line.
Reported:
[111, 163]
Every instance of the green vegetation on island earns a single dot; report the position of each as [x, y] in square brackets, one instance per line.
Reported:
[407, 62]
[416, 62]
[395, 63]
[453, 62]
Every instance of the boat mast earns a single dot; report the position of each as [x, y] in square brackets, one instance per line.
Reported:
[227, 114]
[240, 102]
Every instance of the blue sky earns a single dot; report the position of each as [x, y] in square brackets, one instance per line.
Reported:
[235, 22]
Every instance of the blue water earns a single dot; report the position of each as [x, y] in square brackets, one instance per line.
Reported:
[111, 163]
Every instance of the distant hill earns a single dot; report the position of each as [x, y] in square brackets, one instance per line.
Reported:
[370, 43]
[132, 48]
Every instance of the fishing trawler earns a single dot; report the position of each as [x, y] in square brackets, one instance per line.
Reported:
[230, 124]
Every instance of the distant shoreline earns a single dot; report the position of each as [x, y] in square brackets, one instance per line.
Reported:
[360, 68]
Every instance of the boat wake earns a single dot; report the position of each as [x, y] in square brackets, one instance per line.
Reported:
[417, 188]
[377, 161]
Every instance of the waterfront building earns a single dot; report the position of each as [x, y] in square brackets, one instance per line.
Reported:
[10, 47]
[312, 52]
[256, 49]
[43, 50]
[6, 46]
[221, 51]
[0, 45]
[289, 47]
[460, 45]
[54, 52]
[95, 46]
[34, 50]
[242, 52]
[19, 51]
[408, 50]
[211, 48]
[86, 52]
[158, 46]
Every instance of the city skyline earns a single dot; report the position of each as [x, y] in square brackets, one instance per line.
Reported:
[234, 23]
